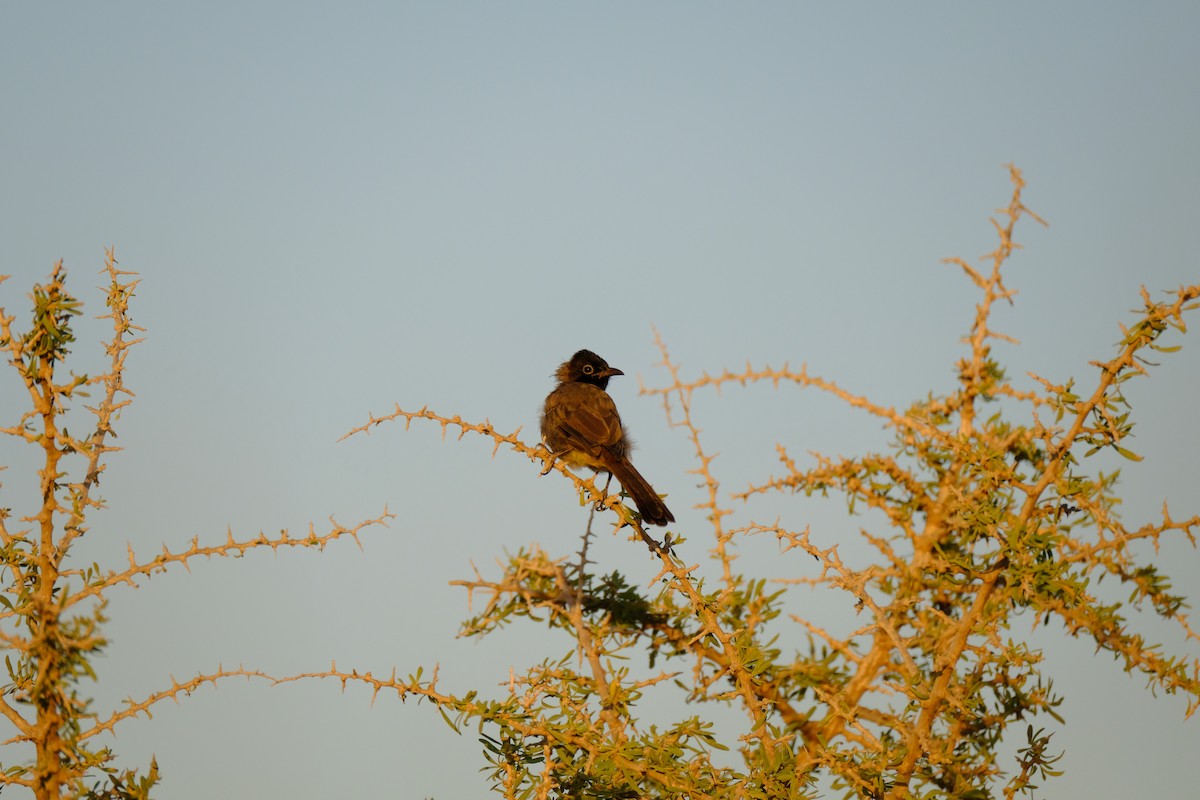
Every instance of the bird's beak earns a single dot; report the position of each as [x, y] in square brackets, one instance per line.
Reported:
[609, 372]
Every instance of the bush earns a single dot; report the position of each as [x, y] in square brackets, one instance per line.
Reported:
[981, 510]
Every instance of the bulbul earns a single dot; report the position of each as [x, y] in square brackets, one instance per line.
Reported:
[580, 425]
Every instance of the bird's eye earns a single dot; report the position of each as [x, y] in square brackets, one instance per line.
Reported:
[588, 369]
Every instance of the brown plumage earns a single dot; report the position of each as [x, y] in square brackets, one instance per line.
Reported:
[580, 425]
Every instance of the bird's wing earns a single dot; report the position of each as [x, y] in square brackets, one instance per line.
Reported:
[586, 415]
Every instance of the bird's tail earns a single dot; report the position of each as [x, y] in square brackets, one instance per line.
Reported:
[653, 510]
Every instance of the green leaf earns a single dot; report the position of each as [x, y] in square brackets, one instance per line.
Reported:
[1132, 456]
[449, 721]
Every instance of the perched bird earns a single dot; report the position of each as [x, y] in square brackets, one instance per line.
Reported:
[580, 425]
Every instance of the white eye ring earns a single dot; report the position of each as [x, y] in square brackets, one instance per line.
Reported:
[588, 369]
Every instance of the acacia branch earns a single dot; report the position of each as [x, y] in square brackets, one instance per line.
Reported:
[109, 408]
[231, 548]
[1109, 372]
[802, 378]
[716, 512]
[517, 721]
[135, 707]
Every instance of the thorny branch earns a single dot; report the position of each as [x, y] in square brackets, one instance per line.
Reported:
[47, 600]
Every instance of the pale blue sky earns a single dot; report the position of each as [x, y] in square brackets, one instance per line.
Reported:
[338, 207]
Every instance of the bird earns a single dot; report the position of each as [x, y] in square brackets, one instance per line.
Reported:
[581, 426]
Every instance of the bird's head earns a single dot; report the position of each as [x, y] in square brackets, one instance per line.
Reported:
[586, 367]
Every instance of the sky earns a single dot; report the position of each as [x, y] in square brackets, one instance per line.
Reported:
[337, 208]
